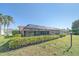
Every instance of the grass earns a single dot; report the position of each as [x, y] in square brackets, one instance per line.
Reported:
[50, 48]
[3, 40]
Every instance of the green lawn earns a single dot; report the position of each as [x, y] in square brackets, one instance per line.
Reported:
[3, 40]
[50, 48]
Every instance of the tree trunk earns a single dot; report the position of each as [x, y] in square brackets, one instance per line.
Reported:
[7, 31]
[4, 30]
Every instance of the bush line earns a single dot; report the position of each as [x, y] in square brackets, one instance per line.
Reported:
[17, 42]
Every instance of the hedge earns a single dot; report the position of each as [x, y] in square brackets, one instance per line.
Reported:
[62, 35]
[18, 42]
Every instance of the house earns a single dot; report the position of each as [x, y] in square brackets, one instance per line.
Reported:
[35, 30]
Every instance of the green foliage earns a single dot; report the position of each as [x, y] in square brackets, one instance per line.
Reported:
[14, 32]
[8, 36]
[75, 27]
[17, 35]
[17, 42]
[62, 35]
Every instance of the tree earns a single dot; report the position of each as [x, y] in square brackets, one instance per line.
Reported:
[1, 22]
[75, 27]
[4, 23]
[7, 21]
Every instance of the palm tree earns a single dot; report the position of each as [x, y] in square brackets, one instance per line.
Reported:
[1, 22]
[4, 22]
[7, 21]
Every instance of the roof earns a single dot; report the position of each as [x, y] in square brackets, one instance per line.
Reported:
[21, 26]
[40, 27]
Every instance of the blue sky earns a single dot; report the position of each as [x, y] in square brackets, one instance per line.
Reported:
[51, 15]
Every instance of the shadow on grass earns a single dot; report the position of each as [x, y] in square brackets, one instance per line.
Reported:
[67, 50]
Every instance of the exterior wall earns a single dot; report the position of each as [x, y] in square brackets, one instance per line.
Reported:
[21, 30]
[28, 33]
[64, 32]
[54, 32]
[35, 33]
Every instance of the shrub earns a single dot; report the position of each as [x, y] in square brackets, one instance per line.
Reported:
[62, 35]
[17, 35]
[8, 36]
[15, 32]
[17, 42]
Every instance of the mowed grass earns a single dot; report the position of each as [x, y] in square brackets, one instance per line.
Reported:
[54, 47]
[3, 40]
